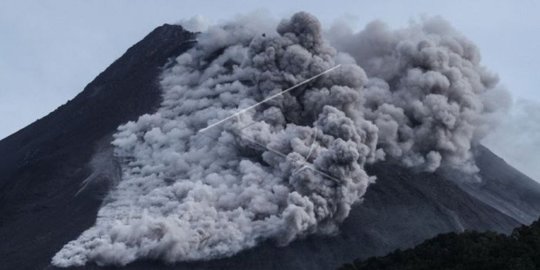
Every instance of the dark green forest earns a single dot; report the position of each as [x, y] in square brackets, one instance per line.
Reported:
[468, 250]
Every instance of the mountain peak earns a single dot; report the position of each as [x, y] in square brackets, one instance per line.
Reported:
[43, 166]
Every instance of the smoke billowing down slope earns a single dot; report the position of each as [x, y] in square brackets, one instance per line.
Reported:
[294, 165]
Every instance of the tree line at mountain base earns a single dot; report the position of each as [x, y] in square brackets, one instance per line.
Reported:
[462, 251]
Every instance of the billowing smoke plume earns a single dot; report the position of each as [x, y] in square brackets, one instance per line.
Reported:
[427, 93]
[292, 166]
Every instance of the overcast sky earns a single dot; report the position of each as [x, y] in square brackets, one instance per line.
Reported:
[49, 50]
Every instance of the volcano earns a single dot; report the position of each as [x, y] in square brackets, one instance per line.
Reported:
[43, 168]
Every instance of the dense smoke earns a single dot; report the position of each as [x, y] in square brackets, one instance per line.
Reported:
[428, 94]
[292, 166]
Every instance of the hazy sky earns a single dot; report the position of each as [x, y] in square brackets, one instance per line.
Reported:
[49, 50]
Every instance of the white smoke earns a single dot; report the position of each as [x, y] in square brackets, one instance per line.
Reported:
[292, 166]
[196, 24]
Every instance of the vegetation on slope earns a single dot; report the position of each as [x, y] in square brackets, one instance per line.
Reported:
[468, 250]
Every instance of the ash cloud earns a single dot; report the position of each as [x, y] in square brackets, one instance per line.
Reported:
[292, 166]
[427, 92]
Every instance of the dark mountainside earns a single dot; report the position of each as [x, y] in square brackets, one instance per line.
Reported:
[469, 250]
[43, 166]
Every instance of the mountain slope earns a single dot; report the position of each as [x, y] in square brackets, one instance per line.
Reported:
[401, 210]
[43, 166]
[470, 250]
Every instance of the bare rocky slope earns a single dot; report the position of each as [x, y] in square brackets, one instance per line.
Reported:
[42, 168]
